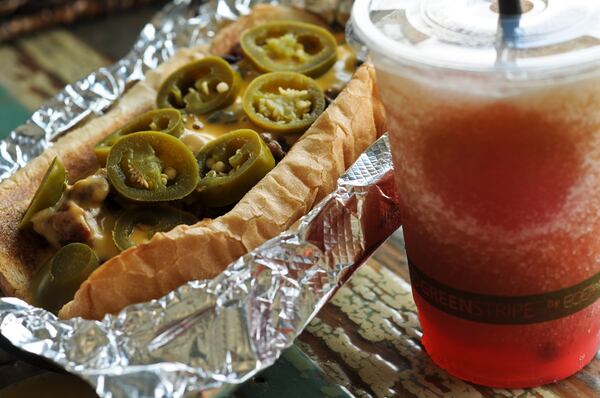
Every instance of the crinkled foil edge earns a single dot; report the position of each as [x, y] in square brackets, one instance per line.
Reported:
[204, 333]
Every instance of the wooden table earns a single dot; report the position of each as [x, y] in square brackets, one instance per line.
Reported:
[366, 340]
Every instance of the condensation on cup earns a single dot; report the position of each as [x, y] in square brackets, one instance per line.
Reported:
[495, 131]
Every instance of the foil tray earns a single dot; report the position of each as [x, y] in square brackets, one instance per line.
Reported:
[224, 330]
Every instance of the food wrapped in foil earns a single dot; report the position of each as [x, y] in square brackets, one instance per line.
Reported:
[224, 330]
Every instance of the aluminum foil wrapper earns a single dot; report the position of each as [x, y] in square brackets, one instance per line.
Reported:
[204, 333]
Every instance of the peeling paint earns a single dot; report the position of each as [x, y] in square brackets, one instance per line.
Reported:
[372, 326]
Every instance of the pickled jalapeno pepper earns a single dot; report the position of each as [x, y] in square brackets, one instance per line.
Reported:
[139, 224]
[166, 120]
[200, 87]
[152, 167]
[290, 46]
[231, 165]
[48, 193]
[283, 102]
[58, 280]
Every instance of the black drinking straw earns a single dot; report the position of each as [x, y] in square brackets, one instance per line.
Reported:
[510, 16]
[509, 7]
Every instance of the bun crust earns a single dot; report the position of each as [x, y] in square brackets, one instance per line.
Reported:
[23, 252]
[305, 176]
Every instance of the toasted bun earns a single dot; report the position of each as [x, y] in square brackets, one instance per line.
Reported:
[307, 174]
[22, 252]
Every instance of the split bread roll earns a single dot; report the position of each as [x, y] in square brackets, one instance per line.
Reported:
[306, 175]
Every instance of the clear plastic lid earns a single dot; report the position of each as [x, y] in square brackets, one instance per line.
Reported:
[550, 37]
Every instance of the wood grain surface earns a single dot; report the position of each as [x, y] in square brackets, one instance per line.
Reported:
[367, 339]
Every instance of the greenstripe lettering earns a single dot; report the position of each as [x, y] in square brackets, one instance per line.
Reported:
[505, 310]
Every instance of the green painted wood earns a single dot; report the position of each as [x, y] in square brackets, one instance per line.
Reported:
[294, 375]
[12, 113]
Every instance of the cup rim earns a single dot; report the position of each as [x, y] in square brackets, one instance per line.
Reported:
[376, 41]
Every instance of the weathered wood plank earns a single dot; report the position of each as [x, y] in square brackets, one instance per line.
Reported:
[25, 81]
[60, 53]
[35, 68]
[368, 340]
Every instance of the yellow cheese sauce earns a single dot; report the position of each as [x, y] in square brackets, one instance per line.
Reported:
[199, 130]
[139, 234]
[203, 130]
[341, 72]
[102, 241]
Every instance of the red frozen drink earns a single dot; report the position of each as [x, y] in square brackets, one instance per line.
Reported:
[496, 145]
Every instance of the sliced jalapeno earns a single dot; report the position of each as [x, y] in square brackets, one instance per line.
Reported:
[200, 86]
[231, 165]
[57, 281]
[283, 102]
[139, 224]
[166, 120]
[152, 167]
[290, 46]
[48, 193]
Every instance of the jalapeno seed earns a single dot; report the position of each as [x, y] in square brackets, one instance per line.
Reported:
[290, 46]
[152, 167]
[230, 166]
[283, 102]
[167, 120]
[200, 87]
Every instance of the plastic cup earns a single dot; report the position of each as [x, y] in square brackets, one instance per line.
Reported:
[495, 132]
